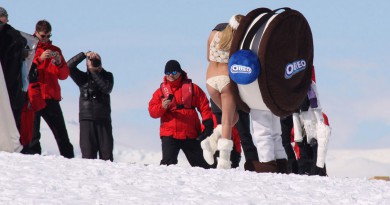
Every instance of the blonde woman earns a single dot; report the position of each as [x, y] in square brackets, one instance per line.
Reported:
[220, 91]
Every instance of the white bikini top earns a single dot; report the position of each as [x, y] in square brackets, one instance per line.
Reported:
[217, 55]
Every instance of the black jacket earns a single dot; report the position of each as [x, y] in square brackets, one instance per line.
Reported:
[95, 89]
[12, 45]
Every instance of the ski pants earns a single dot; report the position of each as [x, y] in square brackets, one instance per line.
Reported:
[287, 125]
[190, 147]
[54, 118]
[96, 137]
[267, 135]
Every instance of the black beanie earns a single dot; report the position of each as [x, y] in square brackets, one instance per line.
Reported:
[172, 65]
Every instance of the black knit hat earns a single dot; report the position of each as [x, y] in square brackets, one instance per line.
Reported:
[172, 65]
[3, 12]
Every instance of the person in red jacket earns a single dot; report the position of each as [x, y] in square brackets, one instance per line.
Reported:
[50, 67]
[175, 103]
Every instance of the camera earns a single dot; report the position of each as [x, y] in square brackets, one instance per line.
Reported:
[53, 54]
[95, 62]
[170, 97]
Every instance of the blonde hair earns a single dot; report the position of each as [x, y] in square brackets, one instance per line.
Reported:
[227, 35]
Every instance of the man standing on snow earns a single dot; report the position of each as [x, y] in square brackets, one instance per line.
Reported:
[51, 67]
[175, 103]
[94, 106]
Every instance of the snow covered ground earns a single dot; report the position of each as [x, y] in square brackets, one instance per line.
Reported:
[136, 178]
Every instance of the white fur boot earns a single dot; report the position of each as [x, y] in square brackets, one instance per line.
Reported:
[225, 147]
[209, 145]
[323, 134]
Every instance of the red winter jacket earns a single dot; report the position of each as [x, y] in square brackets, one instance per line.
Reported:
[48, 73]
[180, 123]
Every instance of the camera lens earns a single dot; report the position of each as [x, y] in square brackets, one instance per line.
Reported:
[96, 62]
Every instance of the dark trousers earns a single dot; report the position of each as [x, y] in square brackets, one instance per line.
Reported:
[96, 137]
[54, 118]
[287, 124]
[17, 108]
[190, 147]
[243, 128]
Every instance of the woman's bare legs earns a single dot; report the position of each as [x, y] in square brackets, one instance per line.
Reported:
[228, 111]
[225, 102]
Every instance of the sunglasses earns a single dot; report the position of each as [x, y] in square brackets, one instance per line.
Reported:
[45, 36]
[173, 73]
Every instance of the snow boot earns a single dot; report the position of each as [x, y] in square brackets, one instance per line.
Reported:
[305, 166]
[265, 167]
[249, 166]
[225, 148]
[209, 145]
[319, 171]
[292, 166]
[281, 165]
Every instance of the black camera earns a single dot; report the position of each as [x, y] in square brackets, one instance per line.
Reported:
[95, 62]
[170, 97]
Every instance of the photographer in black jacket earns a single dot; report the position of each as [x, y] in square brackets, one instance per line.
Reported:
[94, 106]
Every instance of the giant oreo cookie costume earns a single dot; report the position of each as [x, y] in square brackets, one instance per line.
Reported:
[282, 41]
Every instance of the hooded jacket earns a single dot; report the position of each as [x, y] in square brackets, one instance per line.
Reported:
[95, 89]
[49, 73]
[179, 123]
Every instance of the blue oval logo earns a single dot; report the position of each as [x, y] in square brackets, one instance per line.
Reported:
[240, 69]
[294, 68]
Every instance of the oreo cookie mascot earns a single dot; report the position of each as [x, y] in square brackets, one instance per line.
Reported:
[271, 60]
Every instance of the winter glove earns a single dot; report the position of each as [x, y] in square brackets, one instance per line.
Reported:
[208, 129]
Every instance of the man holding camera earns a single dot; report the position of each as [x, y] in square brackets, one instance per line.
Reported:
[176, 102]
[49, 66]
[94, 106]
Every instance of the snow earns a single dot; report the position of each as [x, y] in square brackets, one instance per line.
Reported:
[136, 178]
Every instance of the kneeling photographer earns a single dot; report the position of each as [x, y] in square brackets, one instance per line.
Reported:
[94, 106]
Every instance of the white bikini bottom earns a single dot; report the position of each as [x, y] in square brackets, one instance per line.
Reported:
[218, 82]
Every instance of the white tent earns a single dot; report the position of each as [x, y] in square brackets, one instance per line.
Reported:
[9, 134]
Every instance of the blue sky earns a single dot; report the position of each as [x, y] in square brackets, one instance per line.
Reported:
[137, 38]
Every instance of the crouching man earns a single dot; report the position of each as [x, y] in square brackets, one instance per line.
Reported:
[175, 103]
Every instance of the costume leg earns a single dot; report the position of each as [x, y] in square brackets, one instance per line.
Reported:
[262, 134]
